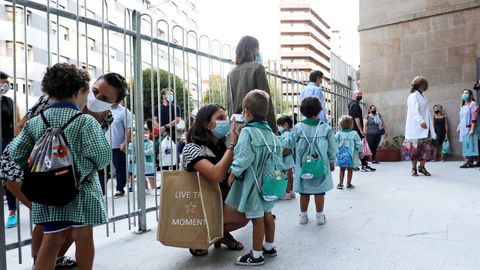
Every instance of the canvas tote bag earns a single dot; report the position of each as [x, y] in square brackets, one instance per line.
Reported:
[191, 211]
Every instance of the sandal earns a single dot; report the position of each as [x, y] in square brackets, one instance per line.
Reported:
[198, 252]
[230, 242]
[424, 171]
[414, 172]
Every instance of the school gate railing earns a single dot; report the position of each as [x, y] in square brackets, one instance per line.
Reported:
[194, 66]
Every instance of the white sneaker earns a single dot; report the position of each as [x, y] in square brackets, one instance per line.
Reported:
[321, 219]
[303, 219]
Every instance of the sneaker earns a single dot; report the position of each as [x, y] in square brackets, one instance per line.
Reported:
[339, 186]
[249, 260]
[370, 168]
[286, 197]
[11, 222]
[356, 169]
[293, 194]
[321, 219]
[303, 219]
[119, 194]
[350, 186]
[269, 253]
[375, 162]
[65, 262]
[467, 165]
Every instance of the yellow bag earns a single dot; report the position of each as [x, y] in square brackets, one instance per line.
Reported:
[191, 211]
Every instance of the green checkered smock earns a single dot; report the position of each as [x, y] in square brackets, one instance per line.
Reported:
[91, 153]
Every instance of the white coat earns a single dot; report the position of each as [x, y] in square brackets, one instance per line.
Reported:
[417, 113]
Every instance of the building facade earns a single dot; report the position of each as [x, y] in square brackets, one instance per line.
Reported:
[64, 42]
[402, 39]
[304, 38]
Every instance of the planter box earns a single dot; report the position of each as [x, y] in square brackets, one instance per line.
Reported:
[389, 155]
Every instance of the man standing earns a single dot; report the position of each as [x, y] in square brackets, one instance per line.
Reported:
[355, 111]
[314, 89]
[121, 127]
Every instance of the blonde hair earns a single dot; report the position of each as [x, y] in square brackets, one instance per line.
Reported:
[257, 103]
[345, 122]
[439, 107]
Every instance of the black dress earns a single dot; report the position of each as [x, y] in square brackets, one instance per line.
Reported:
[439, 125]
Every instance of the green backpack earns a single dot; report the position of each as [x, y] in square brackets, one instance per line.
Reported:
[312, 165]
[273, 188]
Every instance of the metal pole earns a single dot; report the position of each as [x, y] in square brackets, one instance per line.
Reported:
[139, 120]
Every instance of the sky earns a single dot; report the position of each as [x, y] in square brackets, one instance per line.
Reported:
[229, 20]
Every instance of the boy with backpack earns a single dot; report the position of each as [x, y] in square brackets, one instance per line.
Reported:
[350, 150]
[61, 151]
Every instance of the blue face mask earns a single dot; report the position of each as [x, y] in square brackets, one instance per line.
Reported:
[221, 129]
[258, 58]
[281, 129]
[465, 97]
[170, 98]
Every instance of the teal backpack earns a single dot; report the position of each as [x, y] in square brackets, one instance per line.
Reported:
[312, 165]
[273, 188]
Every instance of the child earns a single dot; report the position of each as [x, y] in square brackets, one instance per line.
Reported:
[285, 125]
[315, 151]
[149, 162]
[254, 153]
[350, 150]
[67, 86]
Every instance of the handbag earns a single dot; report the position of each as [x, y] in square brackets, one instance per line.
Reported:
[273, 188]
[446, 147]
[366, 148]
[191, 211]
[470, 145]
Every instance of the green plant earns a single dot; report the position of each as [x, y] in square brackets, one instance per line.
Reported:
[395, 143]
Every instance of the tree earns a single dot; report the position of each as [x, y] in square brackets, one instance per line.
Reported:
[180, 94]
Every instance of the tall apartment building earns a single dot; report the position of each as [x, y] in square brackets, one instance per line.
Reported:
[63, 37]
[305, 37]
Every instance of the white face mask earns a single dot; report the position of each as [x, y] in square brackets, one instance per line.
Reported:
[95, 105]
[4, 87]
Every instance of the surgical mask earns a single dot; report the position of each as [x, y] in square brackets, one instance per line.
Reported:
[436, 112]
[281, 130]
[4, 88]
[258, 58]
[221, 129]
[465, 97]
[170, 98]
[359, 98]
[95, 105]
[374, 112]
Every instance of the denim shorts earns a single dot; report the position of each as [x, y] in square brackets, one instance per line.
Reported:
[59, 226]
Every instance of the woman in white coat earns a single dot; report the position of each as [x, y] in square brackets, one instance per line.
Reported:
[419, 129]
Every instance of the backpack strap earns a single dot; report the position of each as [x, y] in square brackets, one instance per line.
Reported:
[310, 144]
[70, 121]
[45, 121]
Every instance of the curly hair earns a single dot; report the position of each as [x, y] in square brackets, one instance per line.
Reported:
[63, 80]
[310, 107]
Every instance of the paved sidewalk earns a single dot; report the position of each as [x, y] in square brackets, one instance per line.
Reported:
[390, 221]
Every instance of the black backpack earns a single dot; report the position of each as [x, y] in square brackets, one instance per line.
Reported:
[51, 178]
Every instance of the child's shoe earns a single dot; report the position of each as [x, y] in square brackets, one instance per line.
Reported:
[321, 219]
[303, 219]
[269, 253]
[293, 194]
[11, 222]
[350, 186]
[249, 260]
[339, 186]
[286, 197]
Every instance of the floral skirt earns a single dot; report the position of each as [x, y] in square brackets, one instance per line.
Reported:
[418, 149]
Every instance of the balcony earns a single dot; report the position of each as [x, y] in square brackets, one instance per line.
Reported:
[302, 29]
[299, 53]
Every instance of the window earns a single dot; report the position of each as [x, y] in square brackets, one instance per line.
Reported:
[113, 54]
[90, 42]
[63, 59]
[20, 50]
[64, 32]
[91, 69]
[193, 7]
[146, 3]
[19, 16]
[63, 4]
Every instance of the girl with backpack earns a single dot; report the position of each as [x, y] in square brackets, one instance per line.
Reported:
[87, 150]
[315, 151]
[350, 150]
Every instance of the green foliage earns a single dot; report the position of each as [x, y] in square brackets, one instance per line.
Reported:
[213, 92]
[179, 93]
[393, 144]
